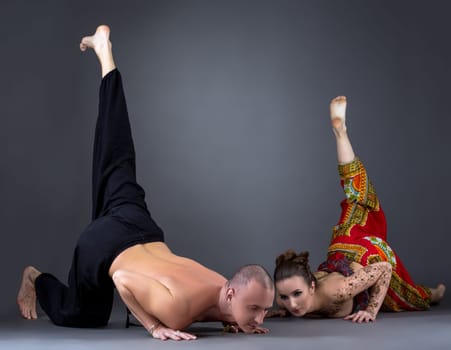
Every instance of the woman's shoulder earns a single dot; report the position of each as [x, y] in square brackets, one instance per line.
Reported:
[331, 285]
[336, 303]
[322, 276]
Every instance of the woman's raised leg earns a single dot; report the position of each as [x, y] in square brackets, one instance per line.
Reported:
[361, 212]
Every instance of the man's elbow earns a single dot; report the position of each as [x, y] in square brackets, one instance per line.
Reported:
[119, 278]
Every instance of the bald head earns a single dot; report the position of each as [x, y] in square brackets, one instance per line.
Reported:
[249, 273]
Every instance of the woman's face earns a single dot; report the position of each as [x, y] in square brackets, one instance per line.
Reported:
[295, 295]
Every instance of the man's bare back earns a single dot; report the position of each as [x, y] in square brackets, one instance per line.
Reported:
[179, 280]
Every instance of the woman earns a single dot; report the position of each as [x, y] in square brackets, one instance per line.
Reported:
[362, 273]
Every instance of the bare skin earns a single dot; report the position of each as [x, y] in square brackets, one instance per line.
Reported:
[26, 298]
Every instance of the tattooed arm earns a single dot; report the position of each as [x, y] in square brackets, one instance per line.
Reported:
[375, 277]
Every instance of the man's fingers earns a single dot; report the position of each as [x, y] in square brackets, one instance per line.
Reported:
[234, 329]
[188, 336]
[177, 335]
[262, 330]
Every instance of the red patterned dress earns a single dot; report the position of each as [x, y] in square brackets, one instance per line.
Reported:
[361, 236]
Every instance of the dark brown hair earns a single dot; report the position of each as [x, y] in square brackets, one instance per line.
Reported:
[290, 264]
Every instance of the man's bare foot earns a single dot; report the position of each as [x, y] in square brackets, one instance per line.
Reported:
[101, 44]
[438, 293]
[338, 114]
[26, 298]
[98, 41]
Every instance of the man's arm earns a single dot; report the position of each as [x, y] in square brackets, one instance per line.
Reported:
[375, 277]
[143, 295]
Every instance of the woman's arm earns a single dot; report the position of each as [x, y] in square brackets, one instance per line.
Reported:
[375, 277]
[143, 295]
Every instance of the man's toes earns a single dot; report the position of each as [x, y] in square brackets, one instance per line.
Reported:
[27, 314]
[22, 310]
[34, 314]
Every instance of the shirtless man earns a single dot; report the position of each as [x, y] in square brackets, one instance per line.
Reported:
[124, 248]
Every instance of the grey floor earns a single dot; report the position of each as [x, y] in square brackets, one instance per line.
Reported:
[414, 330]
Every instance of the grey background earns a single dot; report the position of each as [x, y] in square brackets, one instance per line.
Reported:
[228, 102]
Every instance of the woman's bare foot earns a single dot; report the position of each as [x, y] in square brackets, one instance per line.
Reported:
[438, 293]
[338, 114]
[345, 153]
[26, 298]
[101, 44]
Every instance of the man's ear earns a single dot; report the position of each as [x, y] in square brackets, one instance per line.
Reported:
[230, 293]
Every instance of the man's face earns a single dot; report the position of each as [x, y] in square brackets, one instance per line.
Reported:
[250, 304]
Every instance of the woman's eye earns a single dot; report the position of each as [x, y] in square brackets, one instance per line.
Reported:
[297, 293]
[283, 297]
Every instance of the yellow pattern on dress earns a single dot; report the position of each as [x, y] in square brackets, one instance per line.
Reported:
[360, 194]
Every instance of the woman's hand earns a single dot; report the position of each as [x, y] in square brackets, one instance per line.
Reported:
[164, 333]
[361, 316]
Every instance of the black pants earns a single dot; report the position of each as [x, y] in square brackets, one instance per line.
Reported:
[120, 220]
